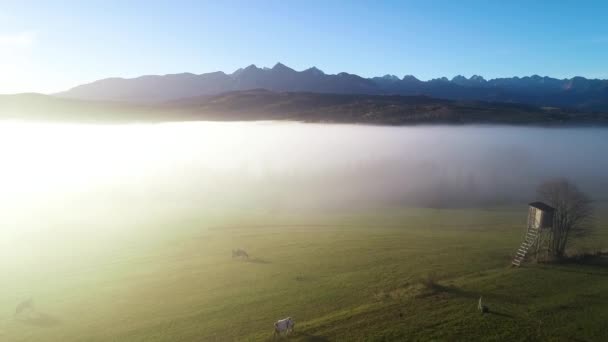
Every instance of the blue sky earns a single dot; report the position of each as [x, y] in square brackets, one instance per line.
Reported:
[48, 46]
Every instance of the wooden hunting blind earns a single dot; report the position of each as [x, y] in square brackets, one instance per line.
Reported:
[540, 215]
[540, 222]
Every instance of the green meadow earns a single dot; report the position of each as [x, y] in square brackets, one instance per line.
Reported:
[390, 274]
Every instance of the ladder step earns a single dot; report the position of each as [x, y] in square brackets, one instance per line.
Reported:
[530, 239]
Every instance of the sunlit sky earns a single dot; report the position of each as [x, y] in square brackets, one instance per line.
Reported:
[49, 46]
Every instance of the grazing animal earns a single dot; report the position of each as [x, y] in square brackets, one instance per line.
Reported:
[26, 305]
[483, 308]
[239, 253]
[284, 326]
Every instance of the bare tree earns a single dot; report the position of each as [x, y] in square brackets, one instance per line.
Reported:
[573, 213]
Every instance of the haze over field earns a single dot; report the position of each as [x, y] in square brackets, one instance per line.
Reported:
[275, 166]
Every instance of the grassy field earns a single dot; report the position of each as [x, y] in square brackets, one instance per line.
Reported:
[340, 276]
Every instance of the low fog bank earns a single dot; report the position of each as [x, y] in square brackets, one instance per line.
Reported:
[283, 166]
[440, 167]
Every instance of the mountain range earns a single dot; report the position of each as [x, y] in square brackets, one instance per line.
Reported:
[575, 93]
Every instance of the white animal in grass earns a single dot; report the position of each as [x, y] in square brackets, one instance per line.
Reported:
[284, 326]
[483, 308]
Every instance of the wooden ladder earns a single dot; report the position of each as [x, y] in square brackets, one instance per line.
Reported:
[529, 241]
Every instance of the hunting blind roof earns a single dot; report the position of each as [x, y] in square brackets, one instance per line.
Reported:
[542, 206]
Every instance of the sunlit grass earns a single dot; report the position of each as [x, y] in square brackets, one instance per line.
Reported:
[178, 281]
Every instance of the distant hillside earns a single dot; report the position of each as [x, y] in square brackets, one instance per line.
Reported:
[261, 104]
[371, 109]
[578, 92]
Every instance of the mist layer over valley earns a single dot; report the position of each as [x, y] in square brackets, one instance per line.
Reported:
[275, 166]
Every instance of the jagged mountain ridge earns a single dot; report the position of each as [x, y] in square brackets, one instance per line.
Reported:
[577, 92]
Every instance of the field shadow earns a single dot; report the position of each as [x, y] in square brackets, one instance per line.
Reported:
[594, 298]
[311, 338]
[258, 261]
[588, 260]
[458, 292]
[597, 268]
[39, 319]
[501, 314]
[300, 336]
